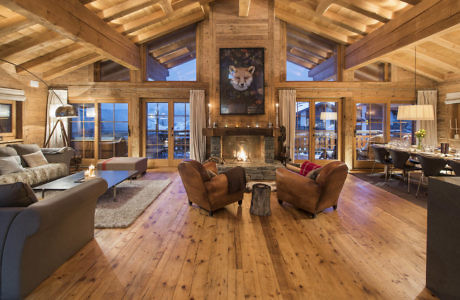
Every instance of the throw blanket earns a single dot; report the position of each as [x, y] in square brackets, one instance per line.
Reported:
[236, 178]
[308, 166]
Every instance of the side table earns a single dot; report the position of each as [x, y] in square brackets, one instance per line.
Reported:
[260, 201]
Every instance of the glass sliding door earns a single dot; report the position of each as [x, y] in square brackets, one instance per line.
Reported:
[401, 130]
[370, 129]
[316, 133]
[326, 140]
[157, 144]
[113, 130]
[82, 130]
[181, 130]
[167, 138]
[302, 131]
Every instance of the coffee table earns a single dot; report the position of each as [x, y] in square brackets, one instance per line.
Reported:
[113, 178]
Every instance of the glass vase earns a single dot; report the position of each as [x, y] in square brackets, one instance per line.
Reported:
[419, 143]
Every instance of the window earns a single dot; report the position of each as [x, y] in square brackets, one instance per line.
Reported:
[110, 71]
[326, 130]
[181, 130]
[157, 130]
[402, 130]
[302, 128]
[173, 56]
[6, 118]
[370, 128]
[113, 130]
[310, 57]
[82, 130]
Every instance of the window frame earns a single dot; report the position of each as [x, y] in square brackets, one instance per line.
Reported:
[12, 133]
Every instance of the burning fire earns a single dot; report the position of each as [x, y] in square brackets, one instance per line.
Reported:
[241, 155]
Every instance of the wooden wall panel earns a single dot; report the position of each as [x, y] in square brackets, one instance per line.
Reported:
[34, 108]
[447, 112]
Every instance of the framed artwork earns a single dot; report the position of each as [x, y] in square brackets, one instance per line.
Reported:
[242, 81]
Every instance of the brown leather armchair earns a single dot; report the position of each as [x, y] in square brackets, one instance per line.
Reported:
[312, 195]
[208, 193]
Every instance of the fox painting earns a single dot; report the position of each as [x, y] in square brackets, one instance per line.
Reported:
[241, 81]
[241, 78]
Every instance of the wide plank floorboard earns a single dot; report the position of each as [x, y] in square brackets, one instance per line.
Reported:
[372, 247]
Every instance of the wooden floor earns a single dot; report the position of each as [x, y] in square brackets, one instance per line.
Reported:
[372, 247]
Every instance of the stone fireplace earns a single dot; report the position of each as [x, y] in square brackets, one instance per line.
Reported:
[258, 145]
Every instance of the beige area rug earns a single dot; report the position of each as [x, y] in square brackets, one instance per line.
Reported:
[131, 201]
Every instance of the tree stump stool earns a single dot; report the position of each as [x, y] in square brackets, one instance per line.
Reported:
[260, 201]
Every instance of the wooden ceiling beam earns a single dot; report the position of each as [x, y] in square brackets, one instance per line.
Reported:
[408, 65]
[411, 2]
[166, 6]
[31, 64]
[310, 40]
[308, 25]
[347, 23]
[71, 66]
[243, 8]
[300, 62]
[421, 21]
[174, 55]
[440, 41]
[124, 9]
[169, 26]
[14, 24]
[26, 43]
[325, 69]
[142, 22]
[316, 52]
[74, 21]
[305, 56]
[84, 2]
[323, 5]
[442, 62]
[158, 52]
[367, 9]
[180, 61]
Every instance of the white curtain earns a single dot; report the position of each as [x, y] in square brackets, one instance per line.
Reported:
[287, 100]
[429, 97]
[197, 123]
[56, 140]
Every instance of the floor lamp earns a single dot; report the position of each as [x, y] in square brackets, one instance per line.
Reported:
[62, 112]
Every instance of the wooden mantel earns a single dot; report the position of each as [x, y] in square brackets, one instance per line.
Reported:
[226, 131]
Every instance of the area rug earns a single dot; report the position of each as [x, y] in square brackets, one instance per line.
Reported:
[131, 201]
[396, 186]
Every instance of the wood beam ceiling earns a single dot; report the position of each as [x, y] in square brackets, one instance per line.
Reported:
[408, 65]
[124, 8]
[410, 28]
[34, 63]
[367, 9]
[71, 66]
[27, 43]
[243, 8]
[14, 24]
[74, 21]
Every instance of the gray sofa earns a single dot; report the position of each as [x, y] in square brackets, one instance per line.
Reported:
[37, 239]
[58, 164]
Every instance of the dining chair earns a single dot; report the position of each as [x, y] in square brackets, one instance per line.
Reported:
[400, 161]
[382, 156]
[431, 166]
[455, 165]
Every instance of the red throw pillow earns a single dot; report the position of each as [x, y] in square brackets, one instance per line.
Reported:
[308, 166]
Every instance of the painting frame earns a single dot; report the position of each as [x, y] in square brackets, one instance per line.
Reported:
[242, 81]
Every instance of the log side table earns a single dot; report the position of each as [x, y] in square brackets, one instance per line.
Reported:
[260, 201]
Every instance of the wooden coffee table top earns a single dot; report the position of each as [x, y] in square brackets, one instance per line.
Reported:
[112, 177]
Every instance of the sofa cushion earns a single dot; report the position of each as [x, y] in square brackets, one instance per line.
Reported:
[7, 151]
[38, 175]
[16, 194]
[10, 164]
[22, 149]
[314, 173]
[35, 159]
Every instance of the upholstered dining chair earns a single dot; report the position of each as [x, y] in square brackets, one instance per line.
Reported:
[382, 156]
[431, 166]
[455, 165]
[400, 159]
[207, 189]
[311, 195]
